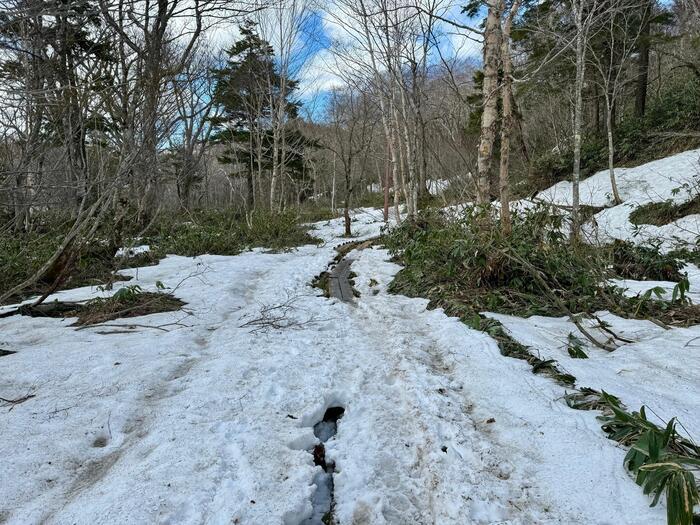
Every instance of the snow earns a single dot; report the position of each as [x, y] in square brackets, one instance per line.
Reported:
[651, 182]
[199, 416]
[191, 417]
[659, 368]
[437, 186]
[675, 178]
[434, 186]
[633, 288]
[132, 251]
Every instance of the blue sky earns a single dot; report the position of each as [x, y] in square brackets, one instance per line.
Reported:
[317, 75]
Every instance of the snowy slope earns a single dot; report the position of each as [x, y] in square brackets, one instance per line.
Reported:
[650, 182]
[675, 178]
[200, 419]
[658, 368]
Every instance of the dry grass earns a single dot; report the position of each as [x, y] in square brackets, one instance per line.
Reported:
[144, 303]
[127, 302]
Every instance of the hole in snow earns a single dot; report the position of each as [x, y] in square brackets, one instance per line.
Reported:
[328, 426]
[3, 353]
[322, 499]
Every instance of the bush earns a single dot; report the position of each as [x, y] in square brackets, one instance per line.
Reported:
[662, 213]
[212, 231]
[227, 233]
[129, 301]
[661, 460]
[314, 212]
[630, 261]
[23, 254]
[468, 263]
[637, 140]
[467, 267]
[369, 200]
[556, 166]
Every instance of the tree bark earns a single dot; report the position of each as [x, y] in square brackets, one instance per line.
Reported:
[578, 116]
[507, 122]
[489, 115]
[333, 188]
[386, 193]
[611, 153]
[640, 101]
[348, 196]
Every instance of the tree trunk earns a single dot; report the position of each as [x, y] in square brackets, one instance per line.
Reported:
[333, 188]
[489, 115]
[348, 196]
[386, 193]
[507, 122]
[640, 101]
[578, 114]
[275, 170]
[611, 153]
[386, 117]
[400, 149]
[250, 175]
[596, 109]
[412, 190]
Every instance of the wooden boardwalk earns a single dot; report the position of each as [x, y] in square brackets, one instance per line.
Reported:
[339, 281]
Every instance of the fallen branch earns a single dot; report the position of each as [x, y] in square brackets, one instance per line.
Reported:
[12, 403]
[602, 326]
[548, 290]
[277, 317]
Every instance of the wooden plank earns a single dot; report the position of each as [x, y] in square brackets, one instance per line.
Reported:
[339, 281]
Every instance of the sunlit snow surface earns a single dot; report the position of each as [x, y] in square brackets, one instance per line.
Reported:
[675, 178]
[190, 417]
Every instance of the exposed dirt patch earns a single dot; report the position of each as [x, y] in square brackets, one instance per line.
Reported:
[100, 442]
[321, 282]
[57, 309]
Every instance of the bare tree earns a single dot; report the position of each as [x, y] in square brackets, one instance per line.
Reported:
[507, 120]
[584, 12]
[490, 94]
[352, 130]
[162, 35]
[620, 34]
[283, 25]
[193, 92]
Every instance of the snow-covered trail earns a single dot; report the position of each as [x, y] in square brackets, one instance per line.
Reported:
[211, 422]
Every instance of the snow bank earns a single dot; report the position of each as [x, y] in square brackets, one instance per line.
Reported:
[651, 182]
[633, 288]
[437, 186]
